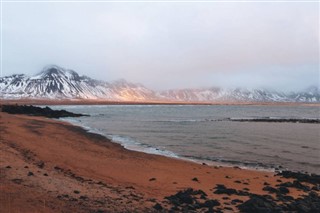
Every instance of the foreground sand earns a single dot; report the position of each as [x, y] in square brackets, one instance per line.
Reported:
[52, 166]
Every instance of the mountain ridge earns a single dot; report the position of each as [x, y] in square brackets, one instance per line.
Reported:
[55, 82]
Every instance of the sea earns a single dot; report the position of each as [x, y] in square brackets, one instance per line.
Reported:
[210, 133]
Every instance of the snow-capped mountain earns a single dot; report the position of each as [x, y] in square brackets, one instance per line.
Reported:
[218, 94]
[54, 82]
[57, 83]
[311, 94]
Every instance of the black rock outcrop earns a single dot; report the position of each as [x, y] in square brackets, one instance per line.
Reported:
[38, 111]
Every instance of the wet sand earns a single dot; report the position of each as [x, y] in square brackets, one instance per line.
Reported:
[52, 166]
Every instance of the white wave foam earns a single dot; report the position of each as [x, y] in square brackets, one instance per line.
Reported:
[127, 142]
[131, 144]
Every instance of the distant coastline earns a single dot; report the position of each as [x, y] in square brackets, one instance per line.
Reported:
[107, 102]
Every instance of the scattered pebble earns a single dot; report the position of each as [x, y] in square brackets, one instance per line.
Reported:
[17, 180]
[195, 179]
[83, 197]
[40, 164]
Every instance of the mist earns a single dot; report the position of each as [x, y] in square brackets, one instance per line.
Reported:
[167, 45]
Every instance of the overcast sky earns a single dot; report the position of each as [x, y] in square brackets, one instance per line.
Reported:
[167, 45]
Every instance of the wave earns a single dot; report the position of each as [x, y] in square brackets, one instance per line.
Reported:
[134, 145]
[234, 163]
[127, 142]
[131, 144]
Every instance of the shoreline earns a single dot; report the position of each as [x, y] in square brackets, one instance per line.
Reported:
[136, 146]
[173, 155]
[54, 166]
[108, 102]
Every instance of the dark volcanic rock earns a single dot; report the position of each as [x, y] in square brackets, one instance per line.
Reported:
[302, 177]
[157, 207]
[259, 204]
[309, 203]
[295, 184]
[191, 200]
[277, 120]
[316, 188]
[266, 203]
[287, 198]
[283, 190]
[182, 197]
[221, 189]
[235, 201]
[270, 189]
[210, 203]
[228, 208]
[38, 111]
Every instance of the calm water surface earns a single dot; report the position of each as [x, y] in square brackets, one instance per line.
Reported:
[199, 132]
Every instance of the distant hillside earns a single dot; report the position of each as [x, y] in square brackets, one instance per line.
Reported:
[54, 82]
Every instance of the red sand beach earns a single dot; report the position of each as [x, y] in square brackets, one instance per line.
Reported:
[52, 166]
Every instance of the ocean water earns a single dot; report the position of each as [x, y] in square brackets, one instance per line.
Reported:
[204, 134]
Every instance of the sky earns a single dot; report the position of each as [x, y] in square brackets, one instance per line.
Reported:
[166, 45]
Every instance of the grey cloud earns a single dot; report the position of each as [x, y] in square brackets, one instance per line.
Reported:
[168, 45]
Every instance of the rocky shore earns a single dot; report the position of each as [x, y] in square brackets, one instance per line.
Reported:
[277, 120]
[37, 111]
